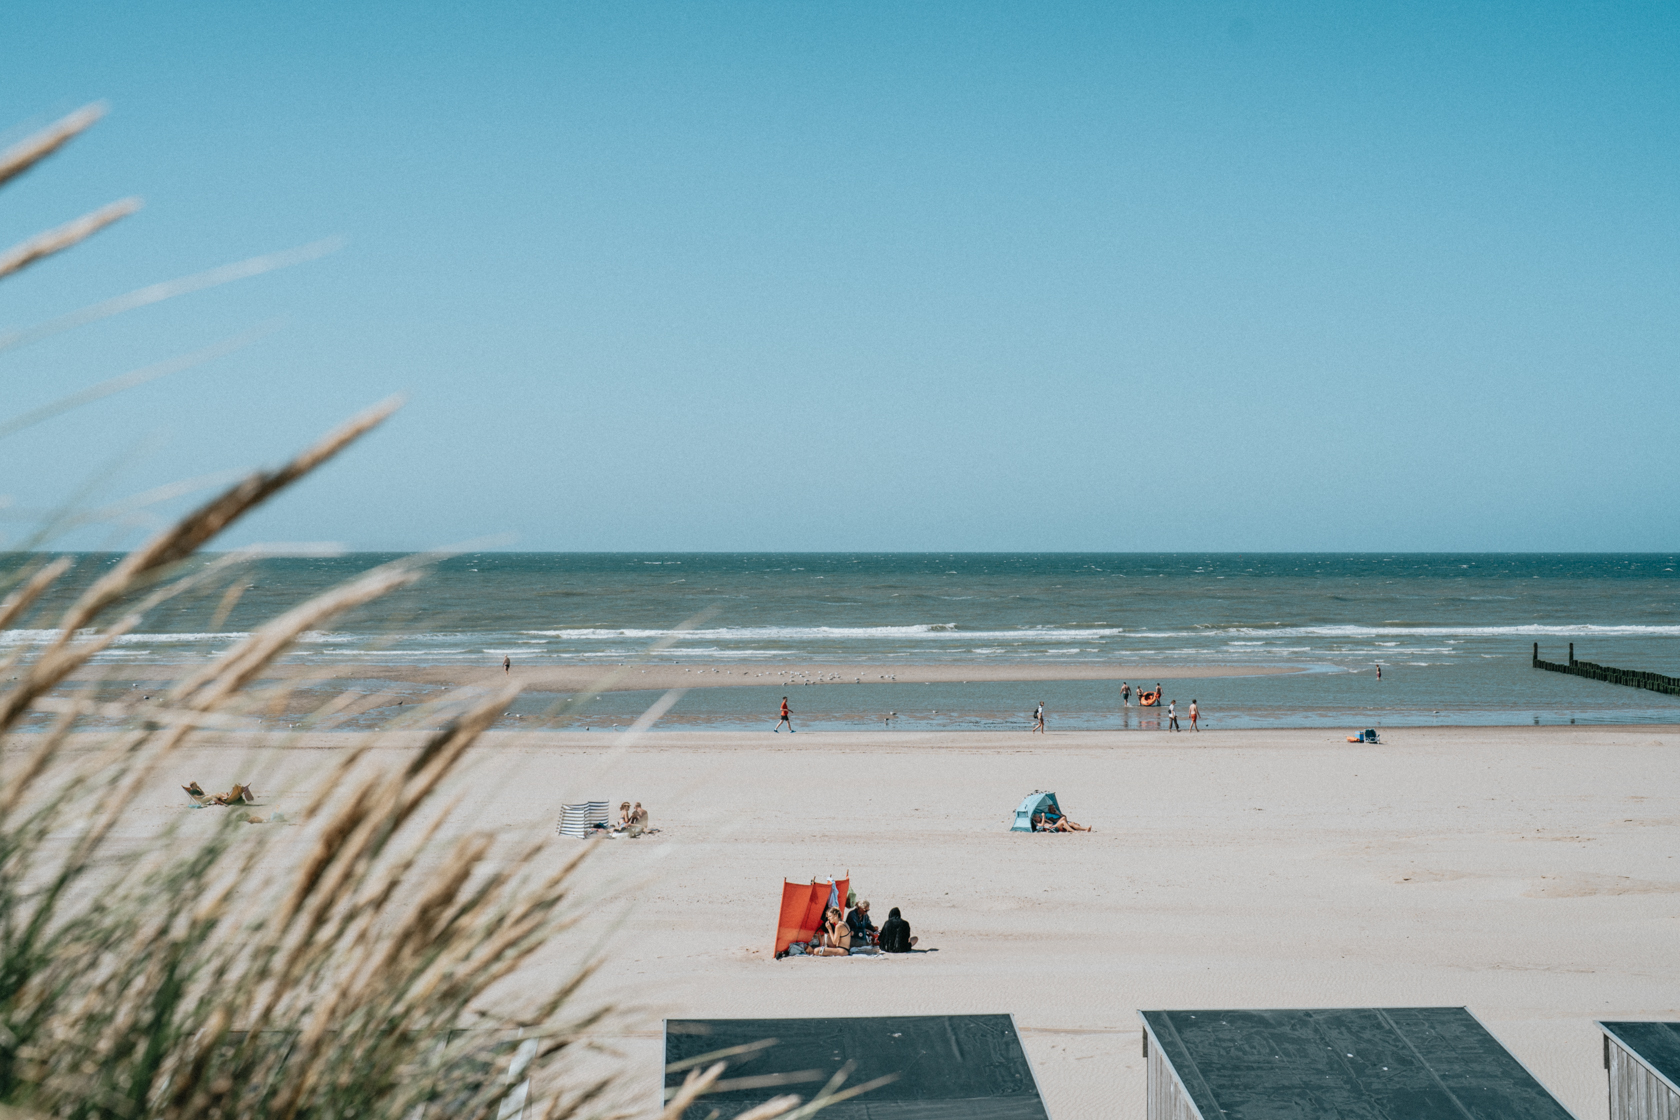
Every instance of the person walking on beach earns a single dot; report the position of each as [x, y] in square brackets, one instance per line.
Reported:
[784, 718]
[1038, 718]
[1172, 716]
[1125, 695]
[507, 664]
[1193, 713]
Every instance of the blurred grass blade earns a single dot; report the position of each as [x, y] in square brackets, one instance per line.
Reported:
[24, 597]
[168, 289]
[136, 377]
[44, 245]
[187, 535]
[20, 157]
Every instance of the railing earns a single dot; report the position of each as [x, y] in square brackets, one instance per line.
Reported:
[1632, 678]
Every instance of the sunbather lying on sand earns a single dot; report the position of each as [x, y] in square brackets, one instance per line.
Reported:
[232, 797]
[1043, 823]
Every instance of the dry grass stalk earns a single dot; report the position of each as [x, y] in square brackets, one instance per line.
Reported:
[43, 245]
[124, 979]
[20, 157]
[169, 289]
[220, 977]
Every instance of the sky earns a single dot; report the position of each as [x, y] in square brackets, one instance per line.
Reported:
[797, 277]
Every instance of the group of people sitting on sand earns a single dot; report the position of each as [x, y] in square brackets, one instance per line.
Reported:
[856, 933]
[632, 822]
[1053, 819]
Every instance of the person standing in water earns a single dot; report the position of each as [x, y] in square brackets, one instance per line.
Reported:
[1038, 718]
[1125, 695]
[1193, 713]
[1172, 716]
[1379, 672]
[784, 718]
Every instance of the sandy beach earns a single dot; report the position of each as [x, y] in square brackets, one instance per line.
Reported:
[1527, 873]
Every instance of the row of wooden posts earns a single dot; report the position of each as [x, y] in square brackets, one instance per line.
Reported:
[1632, 678]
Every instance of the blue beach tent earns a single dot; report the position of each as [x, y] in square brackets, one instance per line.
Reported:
[1035, 802]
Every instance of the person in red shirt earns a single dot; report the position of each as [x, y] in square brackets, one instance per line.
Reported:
[784, 718]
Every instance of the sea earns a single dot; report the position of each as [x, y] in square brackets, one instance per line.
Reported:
[1454, 634]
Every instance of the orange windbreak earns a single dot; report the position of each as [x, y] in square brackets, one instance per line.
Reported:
[802, 910]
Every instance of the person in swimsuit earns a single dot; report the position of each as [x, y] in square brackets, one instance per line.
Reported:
[1054, 821]
[1125, 695]
[836, 935]
[784, 718]
[1193, 714]
[624, 816]
[1038, 718]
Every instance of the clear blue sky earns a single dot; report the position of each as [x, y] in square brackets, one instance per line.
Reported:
[936, 276]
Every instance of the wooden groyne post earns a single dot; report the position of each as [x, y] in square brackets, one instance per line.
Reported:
[1631, 678]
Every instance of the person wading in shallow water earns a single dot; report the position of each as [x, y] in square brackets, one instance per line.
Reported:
[784, 718]
[1038, 718]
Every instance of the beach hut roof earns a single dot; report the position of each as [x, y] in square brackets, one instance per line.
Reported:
[1655, 1045]
[1422, 1062]
[948, 1065]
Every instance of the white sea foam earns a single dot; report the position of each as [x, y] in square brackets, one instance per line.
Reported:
[1528, 630]
[937, 640]
[931, 631]
[42, 637]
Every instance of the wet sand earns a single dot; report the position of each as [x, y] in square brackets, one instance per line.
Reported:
[1531, 874]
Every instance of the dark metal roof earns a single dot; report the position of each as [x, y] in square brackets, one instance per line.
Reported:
[950, 1067]
[1408, 1063]
[1655, 1044]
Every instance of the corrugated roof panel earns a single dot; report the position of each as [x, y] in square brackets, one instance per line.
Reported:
[949, 1067]
[1415, 1063]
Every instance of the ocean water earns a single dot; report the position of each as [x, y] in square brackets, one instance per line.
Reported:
[1452, 633]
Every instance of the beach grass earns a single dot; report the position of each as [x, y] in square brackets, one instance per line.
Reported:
[351, 963]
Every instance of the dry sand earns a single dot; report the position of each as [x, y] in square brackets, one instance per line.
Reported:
[1531, 874]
